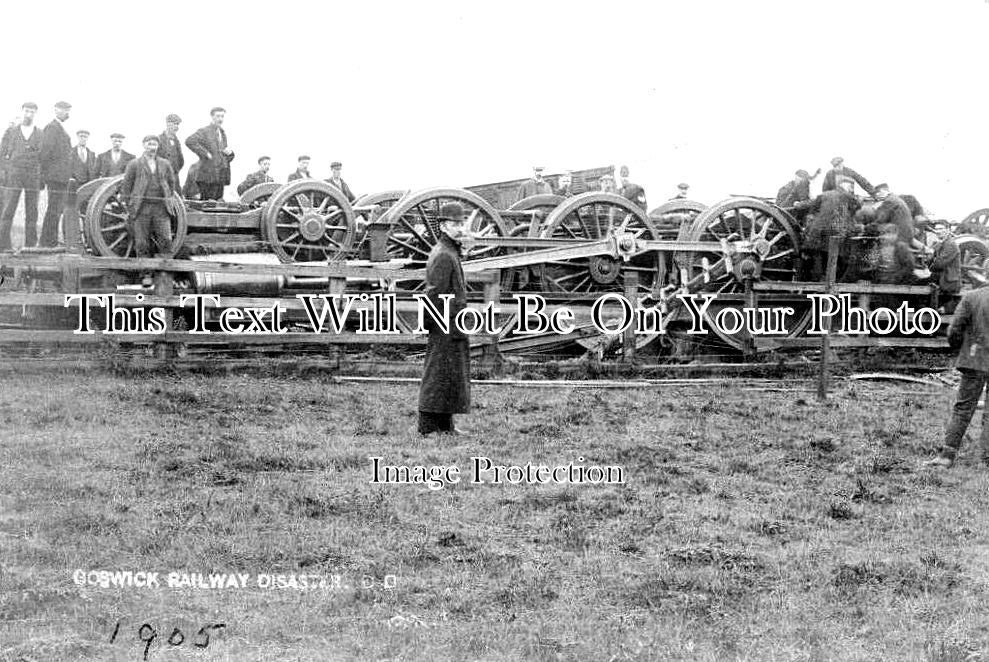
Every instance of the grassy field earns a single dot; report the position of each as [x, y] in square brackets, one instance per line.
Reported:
[754, 525]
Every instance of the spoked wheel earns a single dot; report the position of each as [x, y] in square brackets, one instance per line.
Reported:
[414, 227]
[674, 214]
[308, 221]
[589, 217]
[258, 195]
[83, 195]
[773, 232]
[974, 252]
[977, 220]
[108, 229]
[543, 203]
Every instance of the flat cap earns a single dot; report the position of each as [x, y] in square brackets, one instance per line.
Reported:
[304, 157]
[82, 132]
[217, 109]
[150, 137]
[30, 104]
[803, 174]
[63, 105]
[538, 168]
[452, 211]
[335, 165]
[624, 171]
[172, 117]
[837, 161]
[879, 186]
[117, 135]
[683, 186]
[263, 158]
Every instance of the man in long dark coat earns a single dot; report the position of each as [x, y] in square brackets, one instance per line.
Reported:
[445, 388]
[210, 145]
[56, 171]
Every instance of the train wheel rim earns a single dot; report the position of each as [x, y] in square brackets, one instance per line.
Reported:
[109, 229]
[308, 221]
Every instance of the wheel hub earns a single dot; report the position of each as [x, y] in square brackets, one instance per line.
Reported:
[604, 269]
[311, 226]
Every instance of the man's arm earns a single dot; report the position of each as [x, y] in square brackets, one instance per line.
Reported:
[49, 143]
[171, 177]
[861, 181]
[127, 186]
[959, 324]
[439, 280]
[945, 254]
[196, 144]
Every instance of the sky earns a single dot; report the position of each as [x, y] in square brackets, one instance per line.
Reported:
[729, 96]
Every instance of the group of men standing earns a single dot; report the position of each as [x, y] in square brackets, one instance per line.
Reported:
[539, 185]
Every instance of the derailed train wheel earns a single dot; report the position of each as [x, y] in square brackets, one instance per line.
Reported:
[414, 217]
[973, 252]
[308, 221]
[774, 232]
[108, 229]
[259, 194]
[83, 195]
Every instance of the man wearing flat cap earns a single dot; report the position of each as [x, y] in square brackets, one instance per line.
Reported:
[210, 145]
[56, 171]
[147, 189]
[892, 209]
[169, 145]
[114, 161]
[336, 180]
[681, 192]
[83, 170]
[20, 166]
[839, 169]
[255, 178]
[631, 191]
[301, 169]
[445, 387]
[534, 186]
[794, 196]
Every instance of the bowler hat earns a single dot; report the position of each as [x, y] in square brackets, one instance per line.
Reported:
[63, 105]
[451, 211]
[172, 117]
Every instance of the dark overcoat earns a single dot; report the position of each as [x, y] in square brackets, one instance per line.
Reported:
[253, 180]
[445, 387]
[969, 330]
[833, 216]
[831, 180]
[170, 148]
[83, 171]
[343, 188]
[105, 167]
[56, 154]
[208, 144]
[894, 210]
[636, 194]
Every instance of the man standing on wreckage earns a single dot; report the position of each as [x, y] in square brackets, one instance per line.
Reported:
[445, 387]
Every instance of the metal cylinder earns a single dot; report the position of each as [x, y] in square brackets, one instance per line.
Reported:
[235, 283]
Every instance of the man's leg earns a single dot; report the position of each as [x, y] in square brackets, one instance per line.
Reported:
[140, 227]
[161, 231]
[70, 218]
[53, 214]
[430, 422]
[31, 214]
[12, 198]
[969, 390]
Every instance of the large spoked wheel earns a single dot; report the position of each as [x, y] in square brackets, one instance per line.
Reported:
[774, 233]
[544, 203]
[107, 227]
[977, 219]
[589, 217]
[414, 226]
[258, 195]
[674, 214]
[974, 253]
[84, 194]
[308, 221]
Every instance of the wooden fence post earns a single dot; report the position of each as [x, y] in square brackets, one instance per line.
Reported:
[491, 359]
[824, 376]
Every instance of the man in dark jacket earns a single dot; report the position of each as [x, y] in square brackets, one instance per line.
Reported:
[946, 266]
[301, 170]
[445, 387]
[336, 180]
[564, 185]
[892, 209]
[149, 182]
[83, 170]
[56, 171]
[632, 192]
[191, 189]
[795, 194]
[169, 145]
[114, 161]
[838, 169]
[535, 186]
[20, 167]
[969, 335]
[833, 214]
[255, 178]
[210, 145]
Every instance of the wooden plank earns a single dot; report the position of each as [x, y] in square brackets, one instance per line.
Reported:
[838, 340]
[66, 336]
